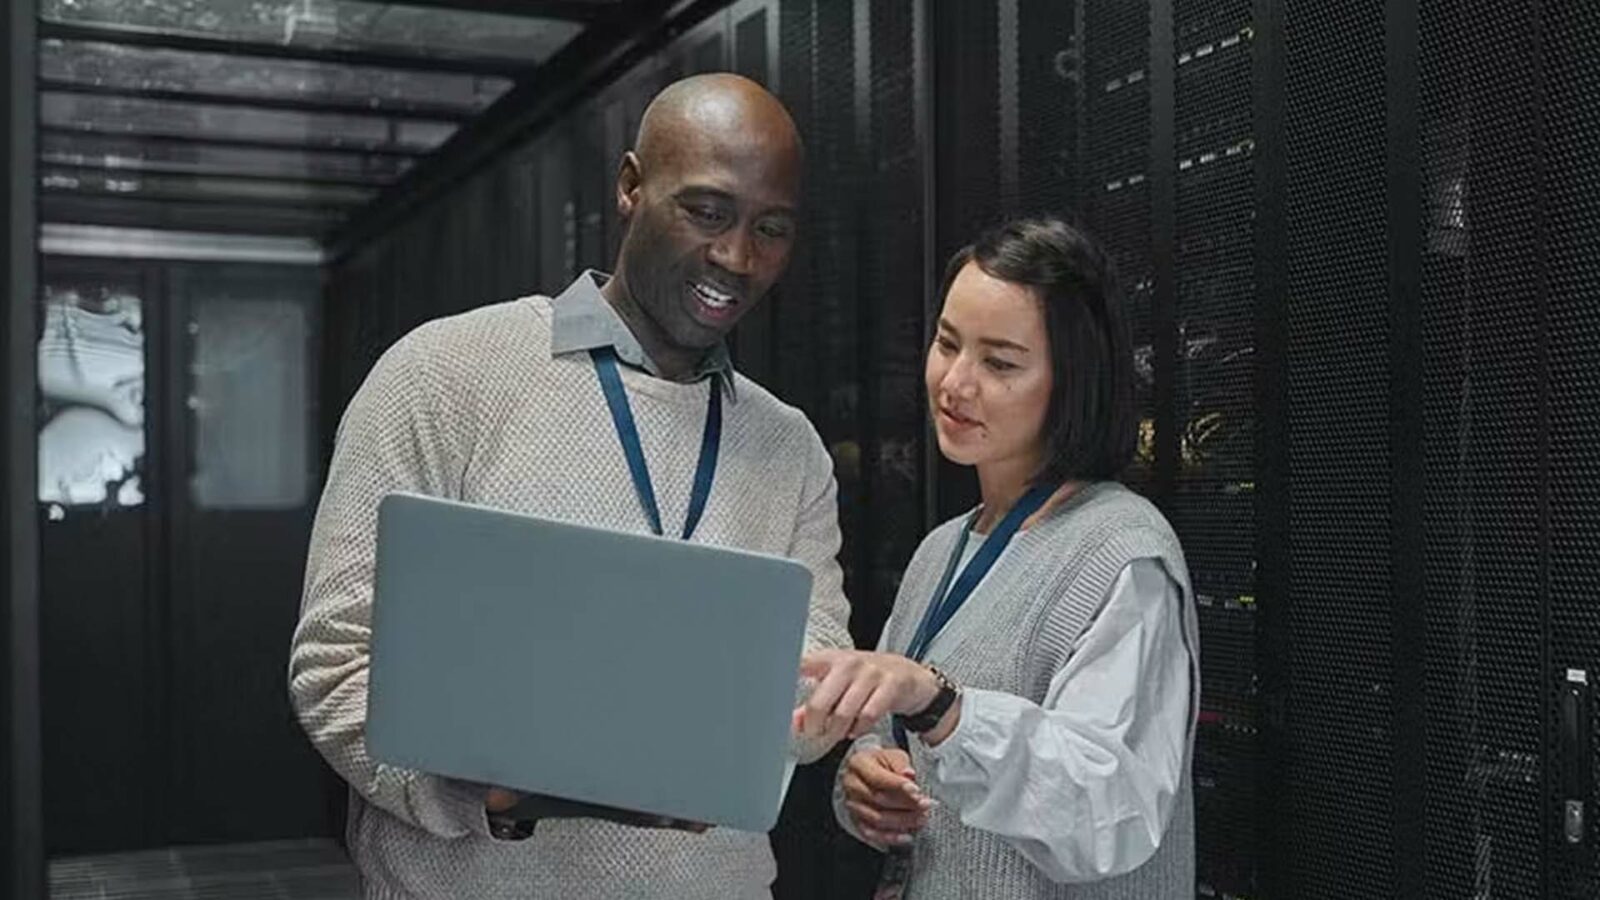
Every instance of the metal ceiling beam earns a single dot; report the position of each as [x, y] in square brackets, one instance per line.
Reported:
[116, 144]
[432, 112]
[182, 170]
[595, 58]
[214, 141]
[93, 181]
[165, 195]
[568, 10]
[131, 212]
[102, 241]
[127, 37]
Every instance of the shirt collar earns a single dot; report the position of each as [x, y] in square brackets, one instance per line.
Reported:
[583, 321]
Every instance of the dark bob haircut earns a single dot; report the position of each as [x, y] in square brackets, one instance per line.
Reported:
[1090, 427]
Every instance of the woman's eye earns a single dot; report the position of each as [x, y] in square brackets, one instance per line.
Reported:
[1000, 365]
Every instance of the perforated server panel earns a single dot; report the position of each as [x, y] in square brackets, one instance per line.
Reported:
[1359, 244]
[1569, 198]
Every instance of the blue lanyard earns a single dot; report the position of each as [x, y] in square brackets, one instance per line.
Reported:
[605, 366]
[947, 599]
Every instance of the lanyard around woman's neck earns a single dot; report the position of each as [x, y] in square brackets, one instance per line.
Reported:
[948, 597]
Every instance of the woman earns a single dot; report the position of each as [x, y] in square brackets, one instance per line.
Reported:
[1040, 661]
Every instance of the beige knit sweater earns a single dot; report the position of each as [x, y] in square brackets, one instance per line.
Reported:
[476, 408]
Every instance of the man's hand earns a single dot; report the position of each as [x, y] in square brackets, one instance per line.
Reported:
[856, 688]
[499, 801]
[882, 797]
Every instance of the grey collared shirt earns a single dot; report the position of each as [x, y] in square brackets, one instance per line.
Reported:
[583, 321]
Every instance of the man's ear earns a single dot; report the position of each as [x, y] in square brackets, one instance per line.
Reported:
[630, 181]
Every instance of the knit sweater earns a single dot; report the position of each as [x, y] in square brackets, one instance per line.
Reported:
[1015, 632]
[477, 408]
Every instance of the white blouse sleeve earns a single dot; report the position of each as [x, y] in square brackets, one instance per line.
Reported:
[1084, 785]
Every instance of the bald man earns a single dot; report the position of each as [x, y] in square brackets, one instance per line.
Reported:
[503, 406]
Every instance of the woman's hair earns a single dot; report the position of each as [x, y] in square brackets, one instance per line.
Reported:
[1090, 427]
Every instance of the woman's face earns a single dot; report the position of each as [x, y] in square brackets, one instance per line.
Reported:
[988, 373]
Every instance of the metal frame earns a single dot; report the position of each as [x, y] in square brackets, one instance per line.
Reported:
[21, 802]
[62, 31]
[593, 59]
[430, 112]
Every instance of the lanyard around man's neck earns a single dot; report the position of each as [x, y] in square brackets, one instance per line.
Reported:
[605, 367]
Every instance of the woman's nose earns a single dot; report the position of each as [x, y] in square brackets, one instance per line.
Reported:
[958, 380]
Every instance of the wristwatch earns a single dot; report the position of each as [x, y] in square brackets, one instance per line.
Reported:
[928, 717]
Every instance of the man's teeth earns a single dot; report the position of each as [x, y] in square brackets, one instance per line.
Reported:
[713, 298]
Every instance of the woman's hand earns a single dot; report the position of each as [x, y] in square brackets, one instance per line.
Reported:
[856, 688]
[882, 797]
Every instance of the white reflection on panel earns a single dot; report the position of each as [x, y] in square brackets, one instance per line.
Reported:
[91, 376]
[251, 403]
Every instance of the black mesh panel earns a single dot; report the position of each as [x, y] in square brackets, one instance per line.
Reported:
[1338, 783]
[1049, 96]
[892, 354]
[821, 363]
[1377, 337]
[1481, 332]
[752, 342]
[1214, 504]
[1115, 141]
[967, 160]
[1571, 198]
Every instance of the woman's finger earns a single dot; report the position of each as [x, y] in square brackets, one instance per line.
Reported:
[887, 819]
[879, 777]
[900, 800]
[886, 839]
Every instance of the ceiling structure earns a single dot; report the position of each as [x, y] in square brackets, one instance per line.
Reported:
[300, 118]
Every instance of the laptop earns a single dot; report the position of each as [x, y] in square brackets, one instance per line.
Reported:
[625, 670]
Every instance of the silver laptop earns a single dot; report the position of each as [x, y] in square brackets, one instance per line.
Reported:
[630, 671]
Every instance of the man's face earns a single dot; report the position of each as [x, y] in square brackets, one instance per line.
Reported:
[711, 229]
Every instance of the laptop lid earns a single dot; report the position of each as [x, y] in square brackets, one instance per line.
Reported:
[627, 670]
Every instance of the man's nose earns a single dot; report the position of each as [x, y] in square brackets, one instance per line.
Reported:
[732, 251]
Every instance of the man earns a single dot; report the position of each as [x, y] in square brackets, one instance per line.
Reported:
[504, 406]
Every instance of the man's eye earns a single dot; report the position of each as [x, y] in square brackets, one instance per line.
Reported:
[775, 230]
[708, 214]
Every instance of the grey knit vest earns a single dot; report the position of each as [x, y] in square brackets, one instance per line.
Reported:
[1015, 632]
